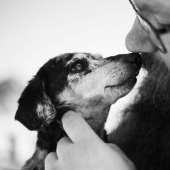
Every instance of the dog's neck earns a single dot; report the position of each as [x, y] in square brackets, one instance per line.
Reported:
[95, 117]
[51, 134]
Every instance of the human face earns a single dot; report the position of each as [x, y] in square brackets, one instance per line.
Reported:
[138, 40]
[152, 28]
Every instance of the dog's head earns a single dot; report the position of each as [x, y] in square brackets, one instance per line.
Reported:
[85, 83]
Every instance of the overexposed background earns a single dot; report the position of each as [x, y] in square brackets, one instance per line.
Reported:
[32, 32]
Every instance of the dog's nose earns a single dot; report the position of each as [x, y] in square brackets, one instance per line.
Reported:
[134, 58]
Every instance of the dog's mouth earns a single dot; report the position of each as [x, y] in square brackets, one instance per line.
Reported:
[131, 80]
[127, 77]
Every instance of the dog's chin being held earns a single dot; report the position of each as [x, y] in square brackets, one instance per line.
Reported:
[83, 82]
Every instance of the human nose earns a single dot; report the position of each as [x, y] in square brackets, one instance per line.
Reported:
[138, 40]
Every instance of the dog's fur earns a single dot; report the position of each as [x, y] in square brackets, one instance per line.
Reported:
[85, 83]
[144, 134]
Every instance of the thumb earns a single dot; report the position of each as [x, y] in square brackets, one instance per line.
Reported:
[77, 128]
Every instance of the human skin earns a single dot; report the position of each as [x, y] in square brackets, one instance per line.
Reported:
[138, 40]
[84, 150]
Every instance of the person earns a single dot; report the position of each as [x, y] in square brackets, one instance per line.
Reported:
[83, 149]
[150, 32]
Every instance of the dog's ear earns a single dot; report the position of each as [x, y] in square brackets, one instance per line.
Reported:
[35, 108]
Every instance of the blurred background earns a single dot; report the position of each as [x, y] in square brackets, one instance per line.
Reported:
[32, 32]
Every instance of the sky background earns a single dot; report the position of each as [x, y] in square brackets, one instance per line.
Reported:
[33, 31]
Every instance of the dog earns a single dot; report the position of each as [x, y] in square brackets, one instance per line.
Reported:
[144, 133]
[85, 83]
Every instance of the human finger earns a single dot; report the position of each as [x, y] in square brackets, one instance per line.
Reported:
[50, 161]
[77, 128]
[63, 143]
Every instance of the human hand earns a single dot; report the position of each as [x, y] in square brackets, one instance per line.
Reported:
[84, 150]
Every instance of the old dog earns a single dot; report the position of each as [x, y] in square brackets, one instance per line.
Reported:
[85, 83]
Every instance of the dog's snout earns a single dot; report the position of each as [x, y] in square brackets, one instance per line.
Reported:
[134, 58]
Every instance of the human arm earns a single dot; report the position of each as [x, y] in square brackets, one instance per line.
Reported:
[84, 150]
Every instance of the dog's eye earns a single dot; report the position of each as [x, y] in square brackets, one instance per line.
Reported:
[78, 67]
